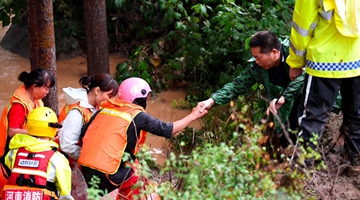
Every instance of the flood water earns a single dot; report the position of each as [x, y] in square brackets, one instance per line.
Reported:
[68, 73]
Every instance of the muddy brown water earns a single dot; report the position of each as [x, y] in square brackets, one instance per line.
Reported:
[68, 73]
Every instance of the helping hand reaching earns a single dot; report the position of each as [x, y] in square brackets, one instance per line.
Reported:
[205, 104]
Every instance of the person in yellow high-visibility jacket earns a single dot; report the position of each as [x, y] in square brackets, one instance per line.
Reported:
[325, 39]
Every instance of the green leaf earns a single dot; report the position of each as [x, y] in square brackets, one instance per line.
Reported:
[176, 65]
[255, 86]
[122, 67]
[181, 7]
[209, 8]
[146, 76]
[182, 41]
[239, 26]
[162, 5]
[228, 26]
[200, 8]
[247, 43]
[171, 34]
[236, 34]
[203, 10]
[206, 23]
[143, 66]
[195, 19]
[177, 15]
[179, 26]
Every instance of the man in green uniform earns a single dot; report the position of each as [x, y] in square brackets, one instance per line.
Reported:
[270, 70]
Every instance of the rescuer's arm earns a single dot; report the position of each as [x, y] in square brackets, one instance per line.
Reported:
[184, 122]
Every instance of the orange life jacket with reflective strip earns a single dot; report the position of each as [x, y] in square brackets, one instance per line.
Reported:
[105, 140]
[30, 169]
[20, 96]
[85, 112]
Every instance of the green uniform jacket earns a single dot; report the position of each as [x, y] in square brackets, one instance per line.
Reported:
[274, 80]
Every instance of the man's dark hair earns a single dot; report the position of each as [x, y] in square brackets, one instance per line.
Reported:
[266, 40]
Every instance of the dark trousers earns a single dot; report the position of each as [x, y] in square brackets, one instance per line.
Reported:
[316, 104]
[109, 182]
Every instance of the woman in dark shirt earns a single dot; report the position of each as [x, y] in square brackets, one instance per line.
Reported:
[120, 127]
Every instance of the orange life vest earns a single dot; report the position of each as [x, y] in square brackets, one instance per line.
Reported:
[105, 140]
[86, 115]
[20, 96]
[85, 112]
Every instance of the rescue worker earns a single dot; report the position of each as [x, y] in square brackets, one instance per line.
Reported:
[121, 126]
[81, 104]
[34, 160]
[27, 97]
[270, 70]
[325, 39]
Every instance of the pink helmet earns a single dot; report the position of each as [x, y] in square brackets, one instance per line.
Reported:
[132, 88]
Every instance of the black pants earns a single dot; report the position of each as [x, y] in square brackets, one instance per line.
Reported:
[111, 182]
[316, 105]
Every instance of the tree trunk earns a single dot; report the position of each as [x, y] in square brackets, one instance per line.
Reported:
[42, 43]
[96, 36]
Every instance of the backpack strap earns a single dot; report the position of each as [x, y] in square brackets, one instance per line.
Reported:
[86, 126]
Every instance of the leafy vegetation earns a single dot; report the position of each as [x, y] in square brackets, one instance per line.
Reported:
[203, 43]
[171, 40]
[226, 160]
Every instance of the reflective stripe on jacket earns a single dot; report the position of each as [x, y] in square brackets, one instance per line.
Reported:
[105, 140]
[20, 96]
[85, 112]
[323, 41]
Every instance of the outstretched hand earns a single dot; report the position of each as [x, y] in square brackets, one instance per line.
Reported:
[182, 123]
[275, 105]
[197, 113]
[204, 105]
